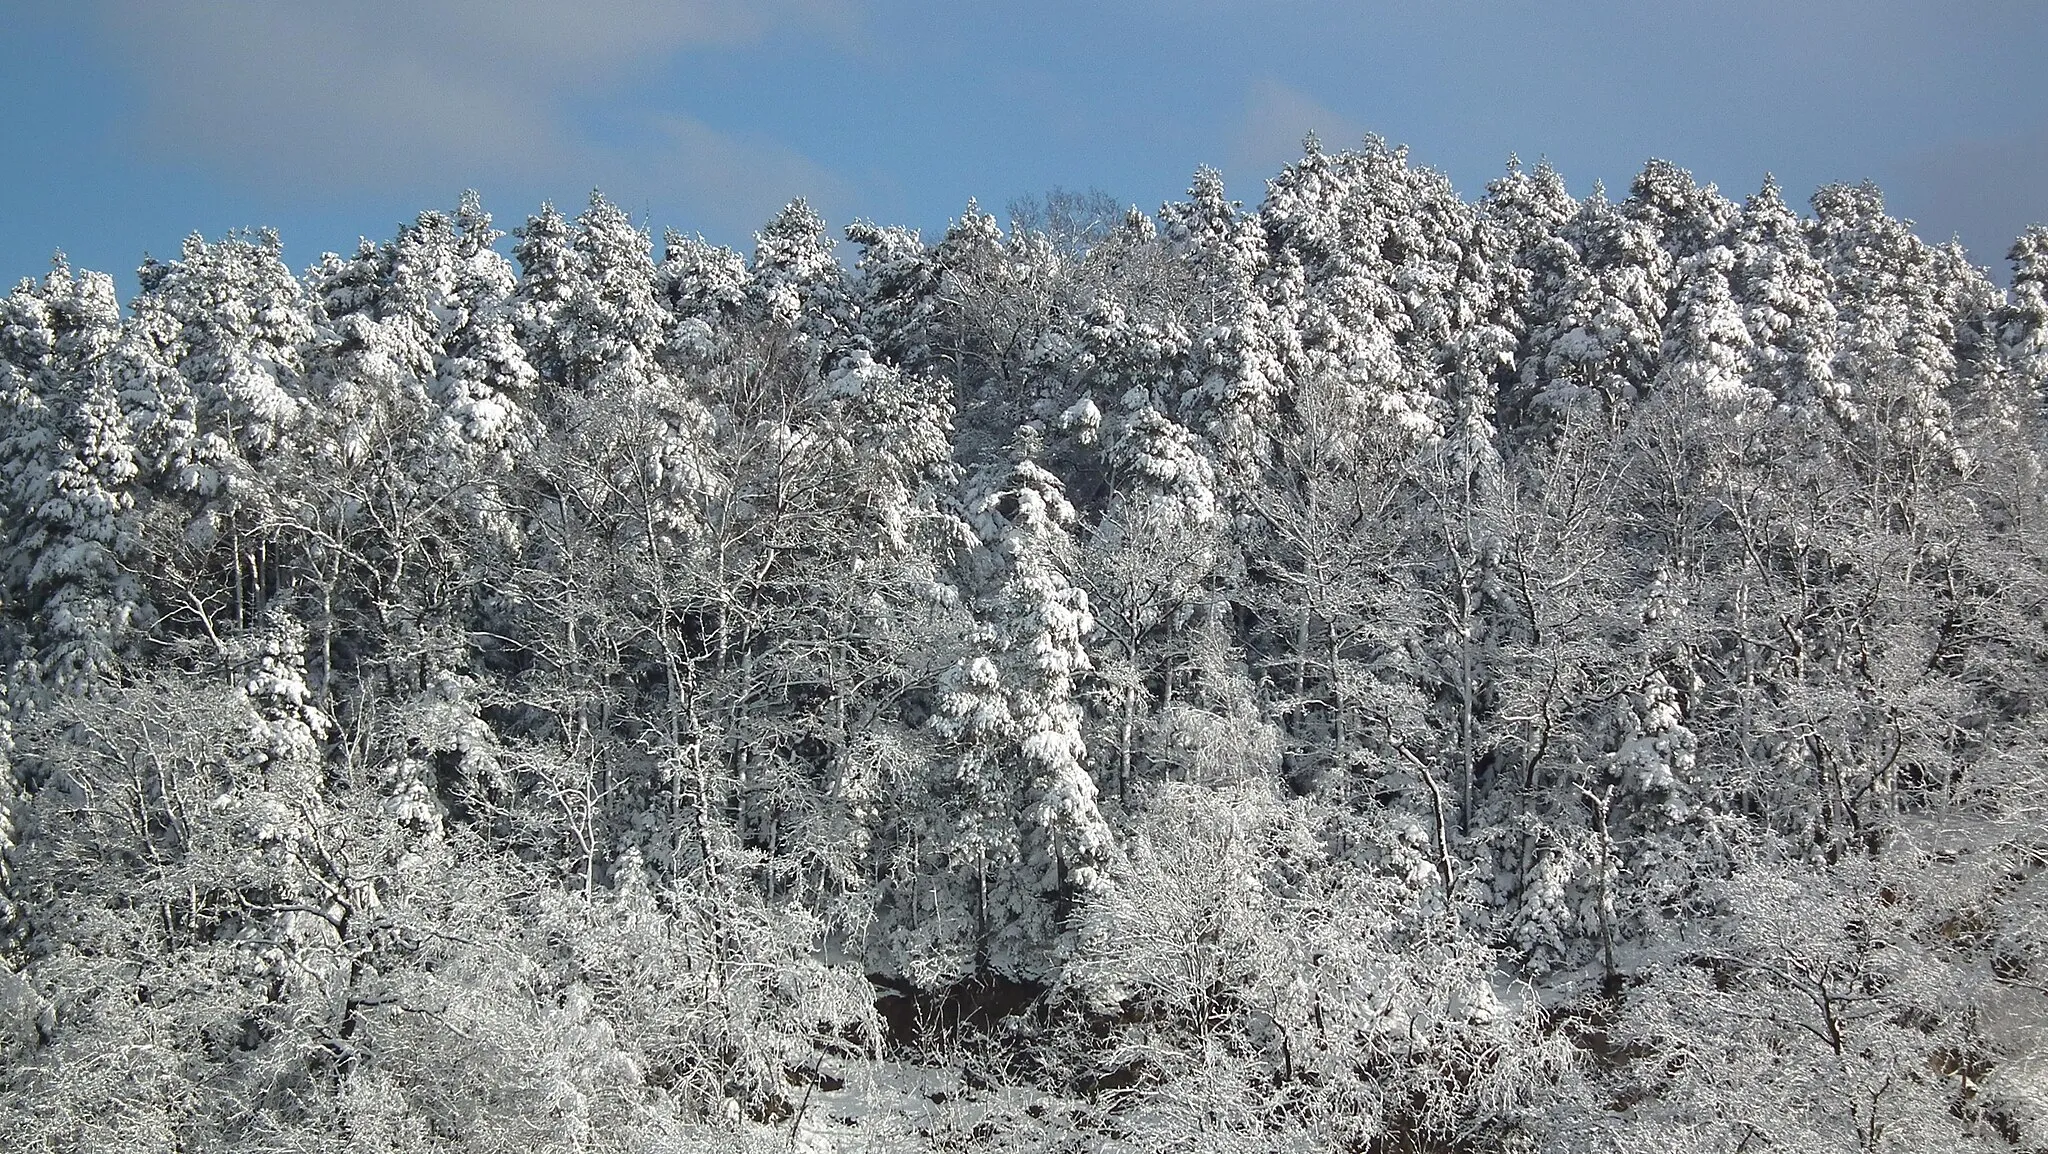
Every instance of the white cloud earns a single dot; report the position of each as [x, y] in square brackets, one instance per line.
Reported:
[1269, 136]
[396, 96]
[730, 185]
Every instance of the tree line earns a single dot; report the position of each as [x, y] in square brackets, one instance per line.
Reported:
[1379, 669]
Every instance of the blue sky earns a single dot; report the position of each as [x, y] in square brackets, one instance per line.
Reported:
[129, 123]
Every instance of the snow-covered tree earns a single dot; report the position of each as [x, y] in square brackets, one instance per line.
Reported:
[2023, 327]
[1788, 305]
[1236, 373]
[1028, 834]
[1597, 299]
[795, 281]
[67, 460]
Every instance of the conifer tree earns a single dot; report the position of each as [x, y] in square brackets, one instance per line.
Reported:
[213, 362]
[795, 281]
[2023, 325]
[1237, 374]
[1787, 302]
[67, 459]
[1595, 314]
[1034, 834]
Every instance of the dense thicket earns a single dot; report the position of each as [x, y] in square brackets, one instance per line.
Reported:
[1380, 671]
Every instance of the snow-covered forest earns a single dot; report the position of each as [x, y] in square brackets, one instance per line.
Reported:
[1377, 671]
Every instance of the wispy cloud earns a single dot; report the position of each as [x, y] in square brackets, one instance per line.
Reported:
[417, 95]
[732, 185]
[1270, 133]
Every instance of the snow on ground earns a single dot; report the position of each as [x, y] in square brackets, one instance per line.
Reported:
[887, 1107]
[895, 1107]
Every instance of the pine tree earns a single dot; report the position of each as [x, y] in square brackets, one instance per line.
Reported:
[483, 381]
[1526, 213]
[700, 286]
[611, 329]
[1364, 230]
[1528, 207]
[1595, 315]
[2023, 325]
[1688, 219]
[550, 271]
[1788, 304]
[1012, 708]
[1707, 345]
[1237, 373]
[1896, 354]
[795, 281]
[212, 364]
[67, 458]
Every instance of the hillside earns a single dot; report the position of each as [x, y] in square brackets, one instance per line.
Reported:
[1377, 671]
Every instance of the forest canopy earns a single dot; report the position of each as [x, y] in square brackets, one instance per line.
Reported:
[1377, 671]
